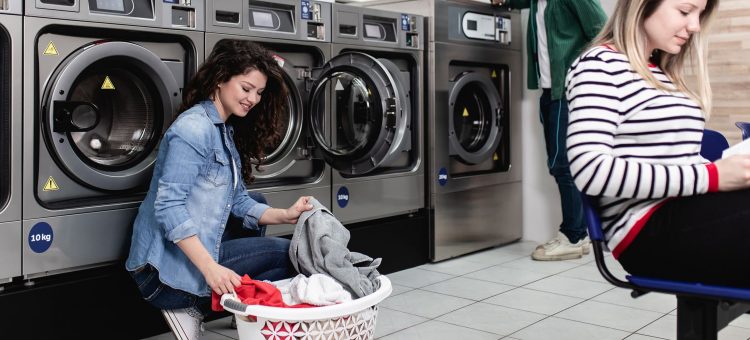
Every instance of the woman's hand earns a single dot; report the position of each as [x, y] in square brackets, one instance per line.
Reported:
[222, 280]
[302, 205]
[734, 172]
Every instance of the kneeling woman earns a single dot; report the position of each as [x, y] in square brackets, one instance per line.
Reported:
[181, 250]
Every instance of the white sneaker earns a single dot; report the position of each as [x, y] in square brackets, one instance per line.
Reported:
[586, 245]
[560, 248]
[185, 323]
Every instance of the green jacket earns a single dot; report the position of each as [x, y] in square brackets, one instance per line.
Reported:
[570, 25]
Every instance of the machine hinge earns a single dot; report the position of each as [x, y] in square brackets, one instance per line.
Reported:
[390, 112]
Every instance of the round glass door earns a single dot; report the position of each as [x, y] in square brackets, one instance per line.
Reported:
[369, 112]
[107, 105]
[115, 128]
[291, 122]
[5, 119]
[475, 109]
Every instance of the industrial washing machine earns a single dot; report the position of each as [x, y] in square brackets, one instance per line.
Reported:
[375, 84]
[299, 34]
[473, 125]
[102, 82]
[10, 139]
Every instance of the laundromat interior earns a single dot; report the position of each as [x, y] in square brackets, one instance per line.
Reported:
[446, 181]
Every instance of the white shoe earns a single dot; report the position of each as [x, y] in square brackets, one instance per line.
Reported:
[185, 323]
[586, 245]
[560, 248]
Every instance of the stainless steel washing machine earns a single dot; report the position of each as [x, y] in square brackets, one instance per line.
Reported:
[375, 87]
[473, 125]
[10, 139]
[102, 82]
[299, 34]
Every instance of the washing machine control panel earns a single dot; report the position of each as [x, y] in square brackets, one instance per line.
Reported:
[11, 6]
[181, 14]
[374, 27]
[285, 19]
[488, 27]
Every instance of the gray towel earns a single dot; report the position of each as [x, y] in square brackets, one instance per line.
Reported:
[319, 247]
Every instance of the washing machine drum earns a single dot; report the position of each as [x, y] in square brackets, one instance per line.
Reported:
[475, 110]
[105, 108]
[370, 109]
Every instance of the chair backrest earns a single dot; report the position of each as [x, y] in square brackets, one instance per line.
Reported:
[745, 128]
[713, 144]
[592, 220]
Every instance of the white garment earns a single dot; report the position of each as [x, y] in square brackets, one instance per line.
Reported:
[545, 78]
[318, 290]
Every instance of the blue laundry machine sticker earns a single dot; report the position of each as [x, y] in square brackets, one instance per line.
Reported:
[342, 197]
[172, 1]
[305, 11]
[405, 23]
[40, 237]
[442, 176]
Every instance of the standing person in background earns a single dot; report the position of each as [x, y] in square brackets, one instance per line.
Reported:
[181, 249]
[558, 32]
[634, 142]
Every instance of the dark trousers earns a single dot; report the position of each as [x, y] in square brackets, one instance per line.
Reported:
[554, 117]
[702, 238]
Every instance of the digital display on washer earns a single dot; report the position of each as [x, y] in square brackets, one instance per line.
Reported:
[373, 31]
[471, 25]
[263, 19]
[111, 5]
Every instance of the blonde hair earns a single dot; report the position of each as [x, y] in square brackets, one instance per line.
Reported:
[624, 31]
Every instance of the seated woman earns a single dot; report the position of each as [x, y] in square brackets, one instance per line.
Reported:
[634, 140]
[181, 249]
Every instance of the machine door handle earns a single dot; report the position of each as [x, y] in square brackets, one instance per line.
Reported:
[73, 116]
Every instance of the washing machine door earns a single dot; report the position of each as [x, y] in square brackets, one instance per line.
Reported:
[280, 156]
[370, 112]
[475, 112]
[104, 109]
[5, 117]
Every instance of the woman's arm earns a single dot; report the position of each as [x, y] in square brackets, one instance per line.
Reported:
[184, 160]
[590, 15]
[286, 216]
[222, 280]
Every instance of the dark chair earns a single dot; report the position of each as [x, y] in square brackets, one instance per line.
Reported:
[702, 310]
[745, 127]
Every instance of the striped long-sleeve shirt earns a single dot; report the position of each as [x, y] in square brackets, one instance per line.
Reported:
[631, 145]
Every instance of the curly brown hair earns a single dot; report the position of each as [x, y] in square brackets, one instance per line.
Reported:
[260, 128]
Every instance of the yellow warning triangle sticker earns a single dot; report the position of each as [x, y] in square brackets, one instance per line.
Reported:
[51, 49]
[107, 84]
[494, 156]
[494, 74]
[50, 185]
[466, 113]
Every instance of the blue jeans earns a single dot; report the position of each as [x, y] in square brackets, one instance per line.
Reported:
[262, 258]
[554, 117]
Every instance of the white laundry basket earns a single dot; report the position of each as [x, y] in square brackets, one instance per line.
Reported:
[349, 320]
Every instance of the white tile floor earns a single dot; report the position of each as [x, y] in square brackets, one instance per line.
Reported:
[502, 294]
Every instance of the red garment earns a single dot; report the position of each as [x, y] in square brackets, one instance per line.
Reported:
[253, 292]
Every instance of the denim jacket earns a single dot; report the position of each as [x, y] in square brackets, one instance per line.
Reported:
[196, 184]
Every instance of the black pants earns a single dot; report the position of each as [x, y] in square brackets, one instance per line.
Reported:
[704, 238]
